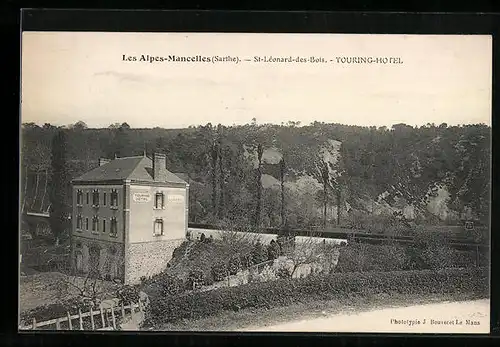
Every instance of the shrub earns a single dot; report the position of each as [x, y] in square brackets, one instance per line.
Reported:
[202, 237]
[273, 250]
[177, 252]
[418, 256]
[283, 272]
[352, 258]
[208, 279]
[267, 274]
[247, 260]
[438, 257]
[195, 279]
[54, 310]
[127, 294]
[219, 271]
[171, 285]
[253, 276]
[282, 292]
[259, 253]
[234, 265]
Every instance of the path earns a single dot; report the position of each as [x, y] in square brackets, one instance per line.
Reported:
[398, 320]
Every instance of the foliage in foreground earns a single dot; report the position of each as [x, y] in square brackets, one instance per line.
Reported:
[284, 292]
[125, 295]
[427, 253]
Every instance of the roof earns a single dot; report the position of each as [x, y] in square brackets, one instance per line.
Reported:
[183, 176]
[132, 168]
[34, 186]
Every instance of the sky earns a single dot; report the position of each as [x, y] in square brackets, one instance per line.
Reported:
[75, 76]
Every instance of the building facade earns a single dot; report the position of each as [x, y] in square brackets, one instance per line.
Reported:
[129, 214]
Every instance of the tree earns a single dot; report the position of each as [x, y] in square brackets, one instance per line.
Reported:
[80, 125]
[325, 175]
[90, 287]
[273, 250]
[222, 180]
[282, 181]
[258, 212]
[308, 251]
[214, 156]
[59, 193]
[259, 253]
[121, 144]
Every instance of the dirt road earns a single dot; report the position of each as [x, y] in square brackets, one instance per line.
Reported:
[447, 317]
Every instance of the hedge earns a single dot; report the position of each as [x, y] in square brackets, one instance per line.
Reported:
[366, 257]
[283, 292]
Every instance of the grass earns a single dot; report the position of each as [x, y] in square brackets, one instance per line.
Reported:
[244, 319]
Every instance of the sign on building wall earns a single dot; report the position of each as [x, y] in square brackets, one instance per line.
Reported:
[175, 198]
[141, 197]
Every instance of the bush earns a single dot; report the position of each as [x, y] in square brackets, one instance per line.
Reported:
[51, 311]
[267, 274]
[195, 279]
[438, 257]
[418, 256]
[259, 253]
[247, 261]
[202, 237]
[219, 271]
[127, 294]
[171, 285]
[282, 292]
[273, 250]
[208, 279]
[283, 272]
[234, 265]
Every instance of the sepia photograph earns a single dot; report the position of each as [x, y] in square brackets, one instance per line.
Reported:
[255, 182]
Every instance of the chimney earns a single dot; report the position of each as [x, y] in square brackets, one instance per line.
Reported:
[159, 167]
[103, 161]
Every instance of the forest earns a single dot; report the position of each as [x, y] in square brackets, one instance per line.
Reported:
[287, 175]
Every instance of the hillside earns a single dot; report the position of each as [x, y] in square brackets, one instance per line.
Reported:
[431, 174]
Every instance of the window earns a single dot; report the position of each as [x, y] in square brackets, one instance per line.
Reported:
[95, 198]
[86, 224]
[87, 198]
[114, 198]
[104, 199]
[79, 197]
[79, 222]
[159, 200]
[95, 223]
[103, 225]
[114, 227]
[158, 227]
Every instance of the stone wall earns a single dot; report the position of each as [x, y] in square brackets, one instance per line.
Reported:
[148, 258]
[195, 234]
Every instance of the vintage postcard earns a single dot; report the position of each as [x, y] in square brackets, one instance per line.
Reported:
[255, 182]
